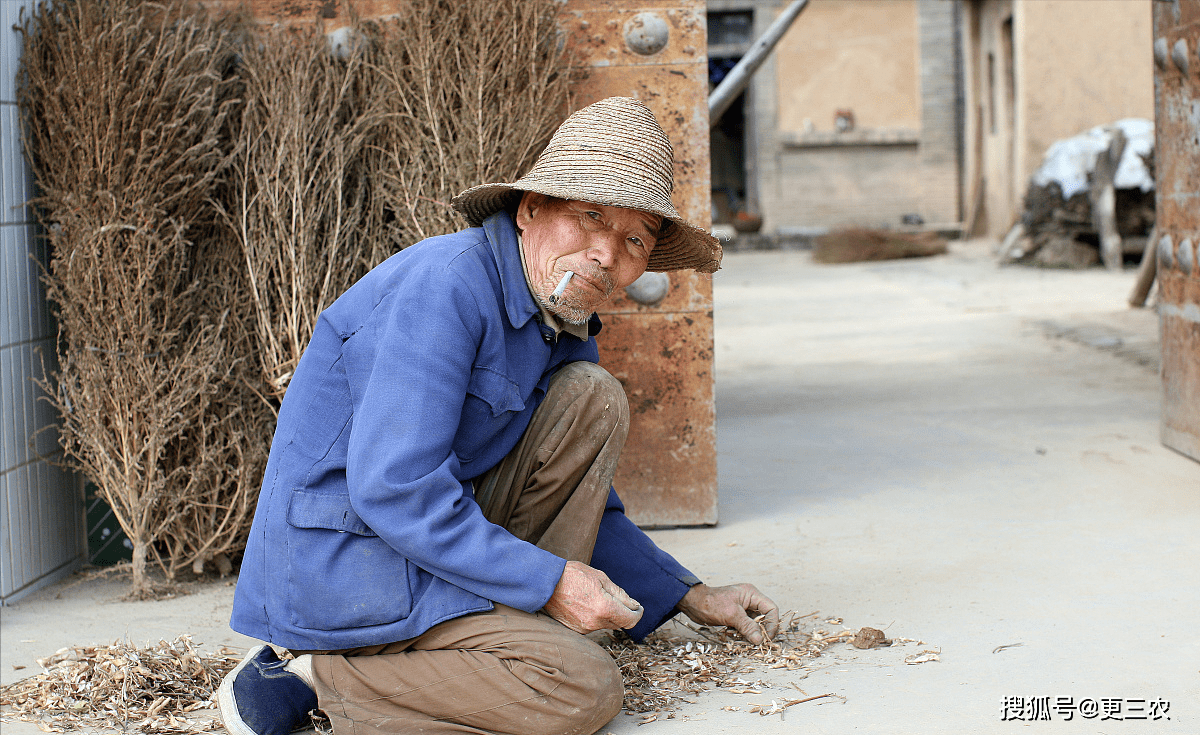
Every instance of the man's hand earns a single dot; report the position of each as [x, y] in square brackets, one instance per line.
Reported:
[586, 600]
[729, 606]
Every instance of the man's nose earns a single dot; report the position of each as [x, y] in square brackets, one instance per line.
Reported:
[605, 248]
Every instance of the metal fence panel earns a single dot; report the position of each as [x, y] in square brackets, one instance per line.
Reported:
[42, 533]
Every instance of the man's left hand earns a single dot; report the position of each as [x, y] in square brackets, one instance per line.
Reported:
[729, 606]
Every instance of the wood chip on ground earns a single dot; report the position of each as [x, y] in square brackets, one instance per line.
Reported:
[678, 662]
[122, 687]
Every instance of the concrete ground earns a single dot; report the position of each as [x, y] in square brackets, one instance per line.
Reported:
[947, 450]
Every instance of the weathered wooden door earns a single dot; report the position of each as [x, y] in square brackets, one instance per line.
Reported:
[1177, 129]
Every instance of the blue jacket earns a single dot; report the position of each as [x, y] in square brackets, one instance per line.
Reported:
[423, 375]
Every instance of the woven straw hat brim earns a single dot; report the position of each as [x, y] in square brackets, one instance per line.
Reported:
[680, 246]
[612, 152]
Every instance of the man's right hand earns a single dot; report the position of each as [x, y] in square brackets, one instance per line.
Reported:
[586, 600]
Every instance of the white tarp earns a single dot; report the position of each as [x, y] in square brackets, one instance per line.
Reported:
[1070, 160]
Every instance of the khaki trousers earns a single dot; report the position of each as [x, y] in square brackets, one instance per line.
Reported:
[506, 671]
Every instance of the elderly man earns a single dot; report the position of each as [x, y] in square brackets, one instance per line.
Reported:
[437, 531]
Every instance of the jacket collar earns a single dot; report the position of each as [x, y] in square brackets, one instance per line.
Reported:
[502, 238]
[501, 235]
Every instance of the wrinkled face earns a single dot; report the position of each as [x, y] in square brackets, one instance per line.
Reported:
[606, 247]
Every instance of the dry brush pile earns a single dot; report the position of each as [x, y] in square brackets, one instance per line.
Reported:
[345, 158]
[209, 185]
[125, 109]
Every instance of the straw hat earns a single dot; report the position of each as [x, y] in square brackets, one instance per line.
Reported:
[612, 152]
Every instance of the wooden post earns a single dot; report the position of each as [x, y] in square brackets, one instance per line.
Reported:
[1146, 271]
[1104, 201]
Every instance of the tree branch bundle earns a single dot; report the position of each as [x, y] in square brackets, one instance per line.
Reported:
[208, 186]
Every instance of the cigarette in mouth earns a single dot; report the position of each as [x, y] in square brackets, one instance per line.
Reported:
[562, 286]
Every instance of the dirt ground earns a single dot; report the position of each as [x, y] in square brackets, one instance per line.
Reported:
[947, 450]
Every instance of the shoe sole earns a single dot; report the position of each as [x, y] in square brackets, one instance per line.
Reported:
[230, 716]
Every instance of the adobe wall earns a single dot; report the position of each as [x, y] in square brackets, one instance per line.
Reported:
[860, 55]
[891, 64]
[1078, 65]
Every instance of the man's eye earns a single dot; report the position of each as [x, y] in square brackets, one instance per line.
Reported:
[594, 215]
[637, 242]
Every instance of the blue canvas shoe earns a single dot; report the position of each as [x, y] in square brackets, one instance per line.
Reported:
[260, 697]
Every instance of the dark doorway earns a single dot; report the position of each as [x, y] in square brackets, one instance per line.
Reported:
[730, 34]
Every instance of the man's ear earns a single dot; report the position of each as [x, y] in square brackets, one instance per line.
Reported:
[531, 204]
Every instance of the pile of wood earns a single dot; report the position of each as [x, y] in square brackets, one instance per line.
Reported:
[1100, 224]
[1058, 233]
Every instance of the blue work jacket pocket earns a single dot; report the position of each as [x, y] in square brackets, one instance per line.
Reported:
[493, 399]
[496, 390]
[340, 573]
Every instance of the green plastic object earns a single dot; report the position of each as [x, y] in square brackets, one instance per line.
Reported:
[107, 542]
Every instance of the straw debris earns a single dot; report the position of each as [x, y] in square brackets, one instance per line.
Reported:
[672, 666]
[167, 687]
[156, 689]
